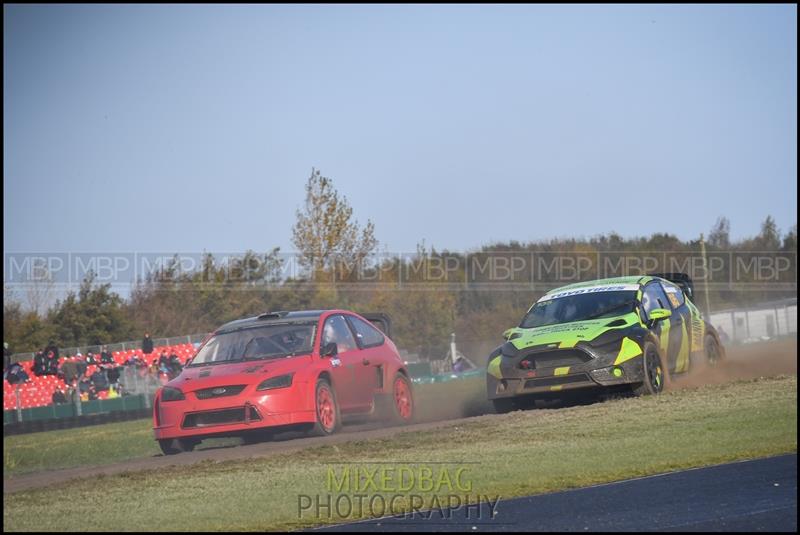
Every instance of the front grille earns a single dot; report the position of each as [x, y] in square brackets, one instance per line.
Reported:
[555, 359]
[555, 381]
[219, 392]
[226, 416]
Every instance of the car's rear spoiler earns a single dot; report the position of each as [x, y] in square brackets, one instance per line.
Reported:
[681, 279]
[381, 321]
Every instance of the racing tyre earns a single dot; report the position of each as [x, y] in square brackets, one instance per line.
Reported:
[656, 375]
[713, 352]
[327, 409]
[398, 405]
[172, 446]
[504, 405]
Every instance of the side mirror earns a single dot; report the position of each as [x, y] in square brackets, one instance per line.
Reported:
[329, 350]
[507, 333]
[658, 314]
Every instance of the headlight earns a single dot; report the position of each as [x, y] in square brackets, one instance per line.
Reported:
[281, 381]
[171, 394]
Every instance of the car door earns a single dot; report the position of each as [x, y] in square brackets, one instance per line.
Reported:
[693, 320]
[371, 376]
[669, 331]
[345, 364]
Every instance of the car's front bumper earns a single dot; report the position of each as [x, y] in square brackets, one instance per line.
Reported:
[505, 378]
[247, 411]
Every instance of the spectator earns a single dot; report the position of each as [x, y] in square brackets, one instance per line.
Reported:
[92, 393]
[6, 356]
[99, 380]
[83, 385]
[51, 346]
[39, 363]
[113, 375]
[91, 359]
[81, 364]
[175, 365]
[69, 369]
[15, 374]
[51, 363]
[112, 393]
[59, 397]
[147, 344]
[163, 363]
[105, 356]
[459, 365]
[73, 393]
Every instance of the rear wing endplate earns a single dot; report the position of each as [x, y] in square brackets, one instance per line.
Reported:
[681, 279]
[381, 321]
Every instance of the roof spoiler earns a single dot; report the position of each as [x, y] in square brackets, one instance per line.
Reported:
[683, 280]
[381, 321]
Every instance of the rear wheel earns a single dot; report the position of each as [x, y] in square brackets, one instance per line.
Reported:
[713, 353]
[327, 409]
[505, 405]
[396, 406]
[173, 446]
[654, 373]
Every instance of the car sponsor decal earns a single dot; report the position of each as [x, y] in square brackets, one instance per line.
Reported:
[591, 289]
[336, 362]
[561, 371]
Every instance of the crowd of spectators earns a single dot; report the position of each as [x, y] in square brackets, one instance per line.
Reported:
[86, 376]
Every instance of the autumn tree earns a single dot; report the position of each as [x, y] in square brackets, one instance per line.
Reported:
[719, 236]
[325, 232]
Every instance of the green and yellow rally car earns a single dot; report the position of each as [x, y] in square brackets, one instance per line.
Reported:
[610, 334]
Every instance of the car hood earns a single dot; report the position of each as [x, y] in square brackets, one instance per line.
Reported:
[237, 373]
[569, 334]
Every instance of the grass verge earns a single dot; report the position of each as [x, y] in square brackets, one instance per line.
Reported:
[122, 441]
[512, 455]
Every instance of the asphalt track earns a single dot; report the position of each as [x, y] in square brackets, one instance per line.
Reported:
[759, 495]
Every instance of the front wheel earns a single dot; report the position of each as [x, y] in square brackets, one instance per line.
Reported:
[327, 409]
[173, 446]
[655, 375]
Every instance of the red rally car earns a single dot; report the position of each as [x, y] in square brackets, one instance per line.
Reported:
[284, 370]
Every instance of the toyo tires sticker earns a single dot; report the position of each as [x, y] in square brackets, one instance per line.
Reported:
[591, 289]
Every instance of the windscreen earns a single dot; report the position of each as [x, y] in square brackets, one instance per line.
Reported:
[257, 343]
[579, 307]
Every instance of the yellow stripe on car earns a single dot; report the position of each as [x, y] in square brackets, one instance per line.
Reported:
[629, 350]
[682, 363]
[494, 368]
[561, 371]
[664, 337]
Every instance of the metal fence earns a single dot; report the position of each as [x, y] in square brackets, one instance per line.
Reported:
[769, 320]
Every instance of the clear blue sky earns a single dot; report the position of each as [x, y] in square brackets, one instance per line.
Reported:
[183, 128]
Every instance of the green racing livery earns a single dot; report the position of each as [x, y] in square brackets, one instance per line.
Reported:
[626, 333]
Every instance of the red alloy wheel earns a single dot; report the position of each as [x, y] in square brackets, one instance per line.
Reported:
[402, 398]
[326, 408]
